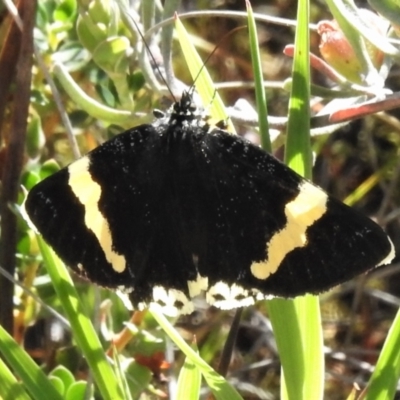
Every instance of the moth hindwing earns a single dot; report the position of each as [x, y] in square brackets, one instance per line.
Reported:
[173, 208]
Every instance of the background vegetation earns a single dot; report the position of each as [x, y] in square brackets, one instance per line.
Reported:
[60, 334]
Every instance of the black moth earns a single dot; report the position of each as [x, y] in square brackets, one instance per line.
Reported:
[167, 210]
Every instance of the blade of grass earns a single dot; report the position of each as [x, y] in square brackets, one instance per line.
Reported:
[297, 323]
[189, 381]
[258, 81]
[11, 388]
[32, 376]
[82, 328]
[221, 389]
[298, 149]
[384, 380]
[287, 332]
[367, 185]
[203, 81]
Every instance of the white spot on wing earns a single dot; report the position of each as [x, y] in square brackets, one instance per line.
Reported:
[197, 286]
[88, 193]
[308, 206]
[172, 301]
[226, 297]
[388, 259]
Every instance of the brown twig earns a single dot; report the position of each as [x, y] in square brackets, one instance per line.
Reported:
[14, 161]
[8, 62]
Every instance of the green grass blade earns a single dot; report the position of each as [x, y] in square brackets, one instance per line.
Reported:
[298, 149]
[82, 328]
[261, 100]
[308, 312]
[189, 381]
[33, 378]
[10, 388]
[203, 82]
[287, 332]
[384, 380]
[297, 323]
[221, 389]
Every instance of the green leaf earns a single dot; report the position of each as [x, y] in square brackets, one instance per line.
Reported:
[48, 168]
[65, 10]
[64, 374]
[390, 9]
[138, 378]
[89, 33]
[33, 378]
[35, 140]
[78, 390]
[111, 55]
[58, 384]
[72, 55]
[82, 100]
[356, 30]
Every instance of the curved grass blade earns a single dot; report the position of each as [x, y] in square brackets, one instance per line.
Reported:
[221, 389]
[82, 328]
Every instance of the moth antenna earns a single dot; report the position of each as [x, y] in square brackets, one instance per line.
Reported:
[217, 46]
[155, 64]
[130, 21]
[207, 106]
